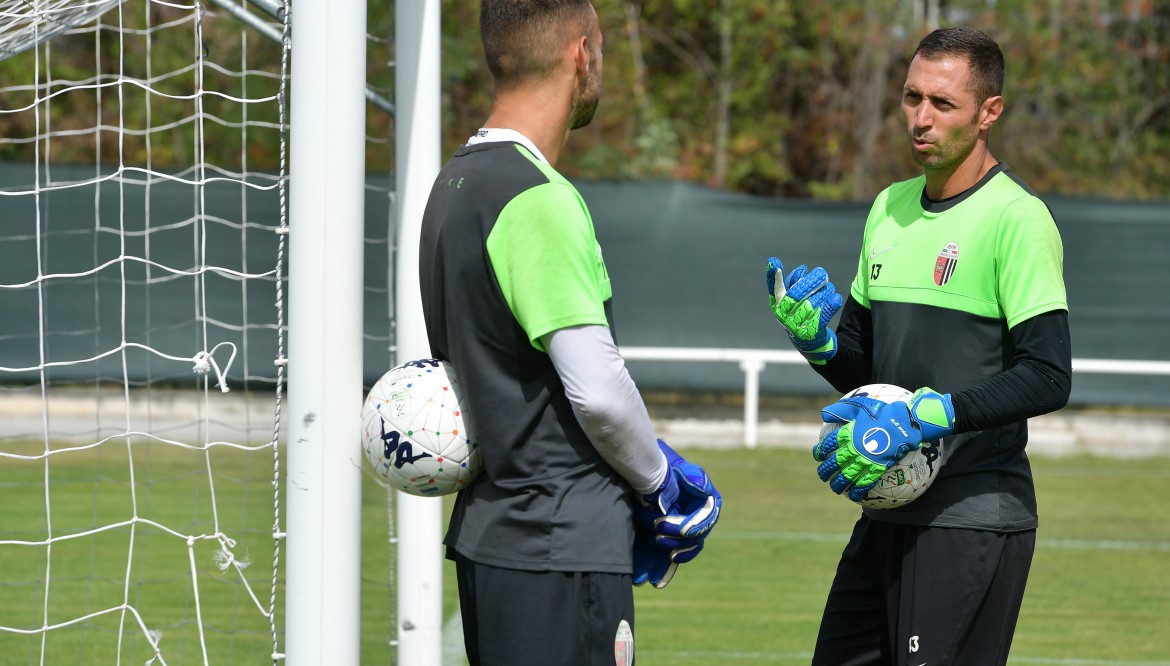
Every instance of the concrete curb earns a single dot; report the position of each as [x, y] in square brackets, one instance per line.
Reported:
[89, 415]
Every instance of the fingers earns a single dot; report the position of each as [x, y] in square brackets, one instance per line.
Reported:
[799, 284]
[829, 468]
[651, 564]
[840, 483]
[775, 268]
[662, 578]
[690, 525]
[668, 543]
[657, 571]
[858, 493]
[686, 554]
[824, 449]
[826, 301]
[832, 303]
[795, 276]
[864, 405]
[802, 283]
[840, 412]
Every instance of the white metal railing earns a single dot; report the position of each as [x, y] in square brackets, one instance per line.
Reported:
[753, 361]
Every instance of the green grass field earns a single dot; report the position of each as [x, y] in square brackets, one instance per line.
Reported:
[1099, 593]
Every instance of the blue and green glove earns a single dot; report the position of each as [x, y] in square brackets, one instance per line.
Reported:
[674, 520]
[804, 301]
[876, 435]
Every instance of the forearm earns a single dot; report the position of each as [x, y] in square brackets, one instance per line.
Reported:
[1038, 381]
[852, 365]
[607, 403]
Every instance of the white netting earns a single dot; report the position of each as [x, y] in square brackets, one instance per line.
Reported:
[24, 23]
[141, 252]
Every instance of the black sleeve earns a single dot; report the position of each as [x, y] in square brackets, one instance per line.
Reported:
[852, 365]
[1038, 380]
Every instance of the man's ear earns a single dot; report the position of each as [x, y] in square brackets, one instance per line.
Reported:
[990, 111]
[582, 55]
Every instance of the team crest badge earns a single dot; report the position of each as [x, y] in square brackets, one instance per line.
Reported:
[623, 645]
[944, 267]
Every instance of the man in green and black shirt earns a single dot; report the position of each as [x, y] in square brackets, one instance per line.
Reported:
[959, 293]
[517, 298]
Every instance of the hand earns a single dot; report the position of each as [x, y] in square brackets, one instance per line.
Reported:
[654, 565]
[683, 508]
[886, 432]
[803, 303]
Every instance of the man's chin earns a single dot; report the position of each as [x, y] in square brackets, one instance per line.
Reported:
[583, 116]
[926, 160]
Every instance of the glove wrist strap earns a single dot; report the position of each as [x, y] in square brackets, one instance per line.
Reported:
[935, 416]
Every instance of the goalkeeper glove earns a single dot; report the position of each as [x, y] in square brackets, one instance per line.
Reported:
[656, 566]
[876, 435]
[804, 301]
[682, 509]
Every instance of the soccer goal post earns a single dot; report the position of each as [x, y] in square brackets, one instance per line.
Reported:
[417, 156]
[325, 459]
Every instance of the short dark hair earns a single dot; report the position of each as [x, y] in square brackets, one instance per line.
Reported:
[985, 65]
[522, 38]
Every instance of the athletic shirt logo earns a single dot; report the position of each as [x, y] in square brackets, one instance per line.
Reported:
[944, 266]
[876, 441]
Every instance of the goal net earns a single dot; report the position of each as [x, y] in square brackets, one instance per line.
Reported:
[142, 329]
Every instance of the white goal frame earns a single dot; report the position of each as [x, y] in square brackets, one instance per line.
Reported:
[326, 221]
[325, 361]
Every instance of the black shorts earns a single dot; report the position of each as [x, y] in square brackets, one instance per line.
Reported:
[910, 595]
[551, 618]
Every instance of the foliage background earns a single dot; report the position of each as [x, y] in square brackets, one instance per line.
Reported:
[767, 97]
[800, 99]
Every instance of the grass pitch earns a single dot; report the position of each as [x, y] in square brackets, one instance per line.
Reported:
[1099, 593]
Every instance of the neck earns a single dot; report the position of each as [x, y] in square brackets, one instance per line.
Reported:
[945, 183]
[537, 113]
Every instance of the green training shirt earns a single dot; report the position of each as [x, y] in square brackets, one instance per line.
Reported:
[945, 282]
[508, 253]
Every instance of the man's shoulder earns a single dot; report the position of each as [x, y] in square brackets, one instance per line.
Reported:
[911, 187]
[508, 161]
[504, 171]
[900, 194]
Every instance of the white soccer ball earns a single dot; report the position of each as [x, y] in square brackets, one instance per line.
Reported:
[416, 431]
[909, 477]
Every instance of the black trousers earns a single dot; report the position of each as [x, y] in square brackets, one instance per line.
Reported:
[910, 595]
[546, 618]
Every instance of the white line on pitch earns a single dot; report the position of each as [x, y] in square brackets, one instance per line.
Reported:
[452, 647]
[723, 656]
[842, 538]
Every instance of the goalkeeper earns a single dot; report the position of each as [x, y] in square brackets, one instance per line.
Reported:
[959, 295]
[578, 500]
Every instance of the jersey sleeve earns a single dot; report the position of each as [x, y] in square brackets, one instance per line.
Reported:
[1030, 276]
[859, 290]
[545, 256]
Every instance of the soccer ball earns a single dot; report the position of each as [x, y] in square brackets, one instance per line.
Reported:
[416, 432]
[909, 477]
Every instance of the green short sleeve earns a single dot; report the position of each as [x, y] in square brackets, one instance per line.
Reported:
[1031, 271]
[544, 252]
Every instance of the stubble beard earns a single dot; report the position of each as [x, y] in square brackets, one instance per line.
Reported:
[950, 151]
[585, 102]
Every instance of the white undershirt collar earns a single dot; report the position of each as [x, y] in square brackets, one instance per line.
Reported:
[496, 134]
